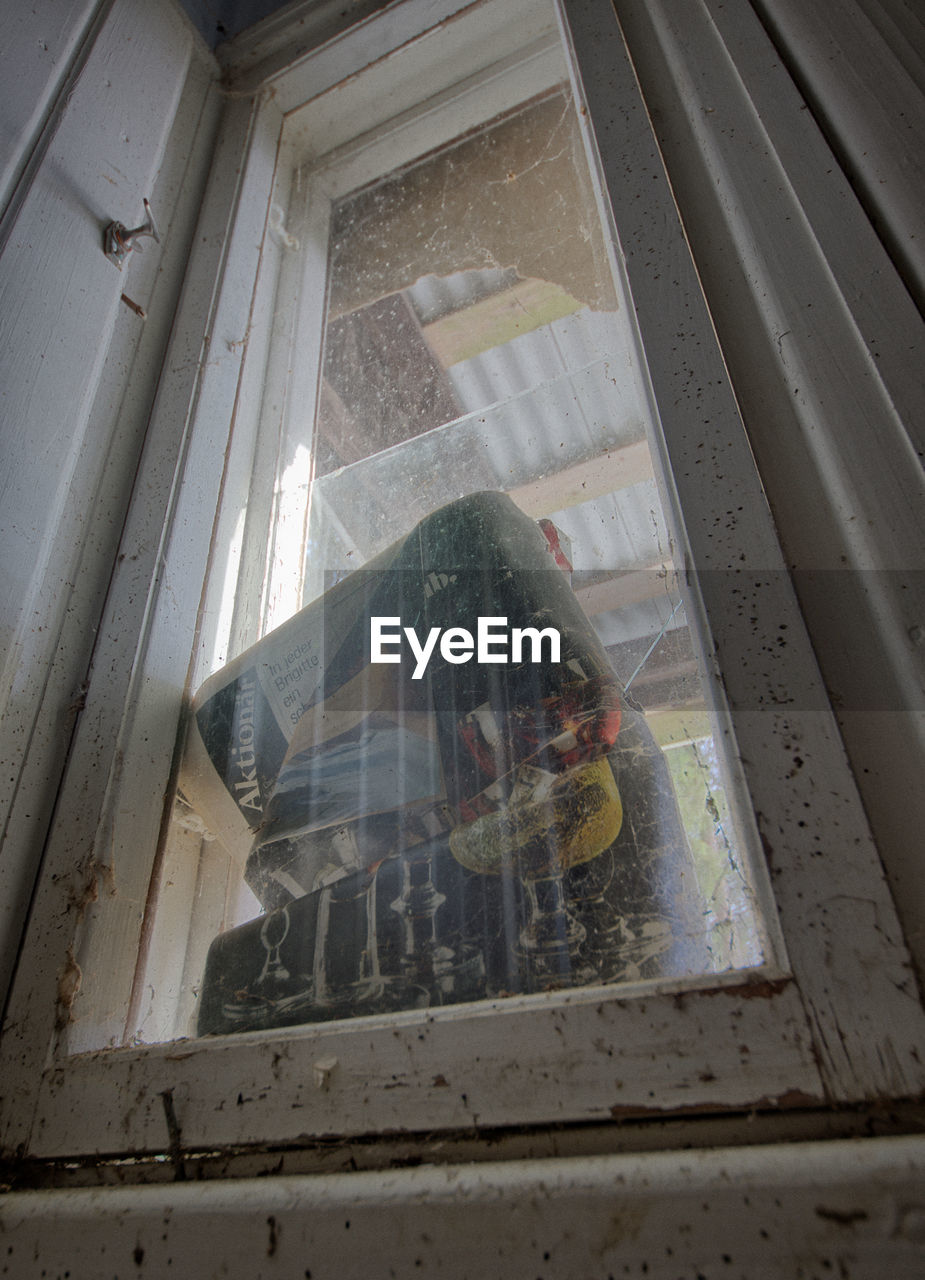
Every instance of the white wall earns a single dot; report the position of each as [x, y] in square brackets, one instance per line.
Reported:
[114, 119]
[42, 45]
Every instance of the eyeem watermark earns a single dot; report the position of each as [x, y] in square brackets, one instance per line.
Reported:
[492, 643]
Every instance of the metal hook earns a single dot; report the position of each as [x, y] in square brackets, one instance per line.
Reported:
[119, 241]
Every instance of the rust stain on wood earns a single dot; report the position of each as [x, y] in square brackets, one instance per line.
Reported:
[761, 989]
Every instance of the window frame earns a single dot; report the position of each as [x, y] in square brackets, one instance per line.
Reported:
[842, 1023]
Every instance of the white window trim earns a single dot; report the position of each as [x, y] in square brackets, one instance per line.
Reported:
[774, 1211]
[810, 307]
[847, 1025]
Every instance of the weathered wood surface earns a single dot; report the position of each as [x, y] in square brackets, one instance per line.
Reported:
[43, 47]
[824, 346]
[66, 463]
[852, 1209]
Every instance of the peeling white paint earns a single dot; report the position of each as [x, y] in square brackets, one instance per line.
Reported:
[853, 1209]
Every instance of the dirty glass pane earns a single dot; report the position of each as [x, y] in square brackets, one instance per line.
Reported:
[383, 829]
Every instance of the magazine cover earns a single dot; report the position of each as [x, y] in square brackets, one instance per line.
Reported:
[426, 776]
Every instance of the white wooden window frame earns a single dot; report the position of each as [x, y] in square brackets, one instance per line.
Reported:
[838, 1020]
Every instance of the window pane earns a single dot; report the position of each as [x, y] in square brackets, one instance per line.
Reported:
[377, 827]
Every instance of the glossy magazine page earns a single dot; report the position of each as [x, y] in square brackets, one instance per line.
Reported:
[443, 792]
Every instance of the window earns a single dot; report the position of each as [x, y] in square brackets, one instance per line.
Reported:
[478, 341]
[678, 1042]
